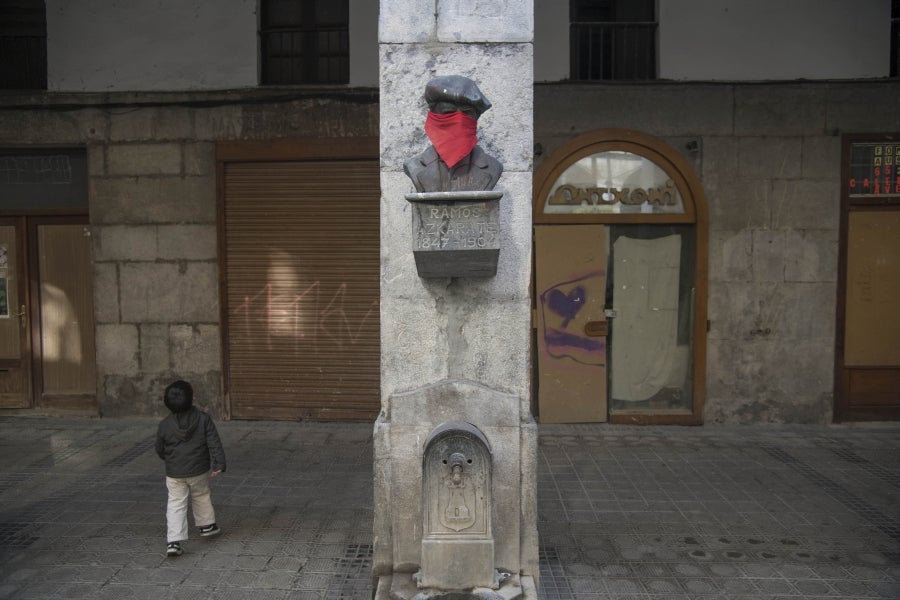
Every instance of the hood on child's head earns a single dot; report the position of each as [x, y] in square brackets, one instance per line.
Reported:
[179, 396]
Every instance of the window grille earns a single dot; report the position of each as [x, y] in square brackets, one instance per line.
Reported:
[895, 38]
[304, 42]
[612, 39]
[23, 45]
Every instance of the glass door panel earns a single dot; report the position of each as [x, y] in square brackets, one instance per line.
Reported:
[14, 366]
[651, 291]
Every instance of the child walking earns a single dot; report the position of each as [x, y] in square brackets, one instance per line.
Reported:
[189, 443]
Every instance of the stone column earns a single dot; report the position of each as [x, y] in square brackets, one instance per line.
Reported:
[455, 350]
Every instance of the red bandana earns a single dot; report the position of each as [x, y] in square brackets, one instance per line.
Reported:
[453, 135]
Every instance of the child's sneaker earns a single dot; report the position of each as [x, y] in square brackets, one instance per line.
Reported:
[173, 549]
[208, 530]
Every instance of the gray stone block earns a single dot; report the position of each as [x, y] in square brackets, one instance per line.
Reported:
[117, 349]
[811, 255]
[406, 21]
[195, 348]
[187, 242]
[199, 159]
[166, 293]
[142, 200]
[106, 293]
[155, 355]
[768, 255]
[806, 204]
[218, 123]
[769, 157]
[661, 109]
[730, 255]
[455, 400]
[125, 243]
[863, 106]
[143, 159]
[739, 204]
[822, 158]
[780, 110]
[480, 21]
[151, 123]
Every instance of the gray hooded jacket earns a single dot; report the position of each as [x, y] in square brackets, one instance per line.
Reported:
[189, 443]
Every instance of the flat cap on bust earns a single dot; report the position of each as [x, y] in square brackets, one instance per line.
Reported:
[456, 89]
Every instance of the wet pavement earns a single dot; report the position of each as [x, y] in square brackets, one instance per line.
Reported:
[761, 512]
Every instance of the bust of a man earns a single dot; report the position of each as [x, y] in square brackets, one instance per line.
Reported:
[454, 161]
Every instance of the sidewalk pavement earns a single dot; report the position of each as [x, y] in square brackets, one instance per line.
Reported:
[650, 513]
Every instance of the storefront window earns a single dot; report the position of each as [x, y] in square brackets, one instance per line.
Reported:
[622, 211]
[614, 183]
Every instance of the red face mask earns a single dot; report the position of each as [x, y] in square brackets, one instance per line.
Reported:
[453, 135]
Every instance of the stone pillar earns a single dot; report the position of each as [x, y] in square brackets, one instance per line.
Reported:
[455, 349]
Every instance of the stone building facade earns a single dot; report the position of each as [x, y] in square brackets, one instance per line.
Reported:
[768, 155]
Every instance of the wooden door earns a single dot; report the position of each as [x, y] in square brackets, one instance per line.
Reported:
[64, 354]
[15, 363]
[570, 280]
[867, 356]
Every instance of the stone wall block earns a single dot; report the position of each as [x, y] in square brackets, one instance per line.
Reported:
[310, 117]
[748, 382]
[155, 348]
[768, 255]
[407, 444]
[169, 292]
[195, 348]
[187, 242]
[52, 127]
[106, 293]
[117, 349]
[738, 204]
[486, 327]
[467, 21]
[769, 157]
[730, 255]
[659, 109]
[200, 159]
[804, 312]
[218, 123]
[805, 204]
[407, 21]
[153, 200]
[124, 243]
[151, 123]
[811, 255]
[863, 107]
[780, 110]
[822, 158]
[96, 159]
[739, 311]
[720, 158]
[144, 159]
[413, 344]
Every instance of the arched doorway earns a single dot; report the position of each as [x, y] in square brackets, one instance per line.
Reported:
[620, 278]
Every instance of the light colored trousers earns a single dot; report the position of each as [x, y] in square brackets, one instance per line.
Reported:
[182, 490]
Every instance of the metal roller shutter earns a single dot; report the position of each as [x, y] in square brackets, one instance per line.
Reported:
[301, 272]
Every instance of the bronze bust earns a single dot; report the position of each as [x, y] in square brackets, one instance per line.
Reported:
[454, 161]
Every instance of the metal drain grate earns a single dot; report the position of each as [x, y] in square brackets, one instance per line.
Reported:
[878, 519]
[554, 584]
[132, 453]
[354, 577]
[864, 464]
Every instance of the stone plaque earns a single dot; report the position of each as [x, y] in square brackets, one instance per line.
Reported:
[457, 545]
[456, 234]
